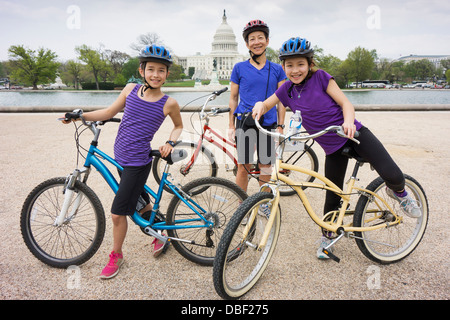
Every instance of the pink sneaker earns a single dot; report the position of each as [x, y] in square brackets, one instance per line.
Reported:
[113, 266]
[158, 247]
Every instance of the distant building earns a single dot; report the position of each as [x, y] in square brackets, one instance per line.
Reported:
[435, 59]
[224, 55]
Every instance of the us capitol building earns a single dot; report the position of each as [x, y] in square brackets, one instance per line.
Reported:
[223, 57]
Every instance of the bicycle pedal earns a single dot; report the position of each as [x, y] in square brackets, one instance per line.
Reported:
[331, 256]
[166, 246]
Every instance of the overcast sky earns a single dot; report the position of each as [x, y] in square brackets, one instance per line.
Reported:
[393, 27]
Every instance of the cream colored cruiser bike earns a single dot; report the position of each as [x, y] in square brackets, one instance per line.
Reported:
[381, 229]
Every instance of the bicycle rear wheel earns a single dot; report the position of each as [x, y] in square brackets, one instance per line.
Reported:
[204, 165]
[220, 198]
[238, 264]
[305, 159]
[396, 242]
[77, 239]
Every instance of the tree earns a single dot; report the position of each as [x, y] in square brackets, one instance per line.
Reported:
[175, 72]
[419, 70]
[361, 63]
[329, 63]
[93, 60]
[130, 69]
[33, 68]
[74, 69]
[272, 55]
[147, 40]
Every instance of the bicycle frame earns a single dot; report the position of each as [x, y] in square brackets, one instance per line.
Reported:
[93, 159]
[336, 222]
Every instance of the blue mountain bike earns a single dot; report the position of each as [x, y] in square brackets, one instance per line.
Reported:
[63, 221]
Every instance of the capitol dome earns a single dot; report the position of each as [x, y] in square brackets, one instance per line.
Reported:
[224, 39]
[220, 61]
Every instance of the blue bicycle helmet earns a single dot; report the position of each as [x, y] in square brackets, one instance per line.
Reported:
[157, 54]
[296, 47]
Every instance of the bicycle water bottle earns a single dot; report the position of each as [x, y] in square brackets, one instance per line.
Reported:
[295, 123]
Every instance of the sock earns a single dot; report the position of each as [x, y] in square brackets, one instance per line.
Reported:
[401, 194]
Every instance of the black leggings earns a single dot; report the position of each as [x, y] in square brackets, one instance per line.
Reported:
[371, 149]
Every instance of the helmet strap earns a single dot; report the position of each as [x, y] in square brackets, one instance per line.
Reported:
[145, 86]
[254, 57]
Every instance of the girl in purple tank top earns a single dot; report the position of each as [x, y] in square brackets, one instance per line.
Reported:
[144, 110]
[322, 103]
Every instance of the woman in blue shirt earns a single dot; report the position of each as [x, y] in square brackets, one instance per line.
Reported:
[251, 81]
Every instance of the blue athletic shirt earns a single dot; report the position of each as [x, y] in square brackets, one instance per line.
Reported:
[141, 119]
[252, 86]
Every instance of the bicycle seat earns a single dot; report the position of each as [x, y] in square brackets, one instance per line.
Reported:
[352, 154]
[175, 156]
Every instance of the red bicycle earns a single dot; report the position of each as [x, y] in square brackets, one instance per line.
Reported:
[201, 162]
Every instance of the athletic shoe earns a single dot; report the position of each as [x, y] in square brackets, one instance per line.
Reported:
[264, 210]
[158, 247]
[324, 242]
[409, 206]
[113, 266]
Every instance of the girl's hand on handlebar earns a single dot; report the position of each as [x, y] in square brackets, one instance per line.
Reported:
[258, 110]
[349, 129]
[165, 150]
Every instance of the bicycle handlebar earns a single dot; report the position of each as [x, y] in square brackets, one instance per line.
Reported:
[218, 93]
[337, 129]
[214, 111]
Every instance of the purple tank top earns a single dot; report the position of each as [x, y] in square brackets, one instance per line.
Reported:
[141, 119]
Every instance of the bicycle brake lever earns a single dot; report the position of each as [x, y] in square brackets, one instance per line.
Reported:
[340, 132]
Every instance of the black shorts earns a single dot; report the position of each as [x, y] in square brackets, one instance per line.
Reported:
[247, 138]
[131, 186]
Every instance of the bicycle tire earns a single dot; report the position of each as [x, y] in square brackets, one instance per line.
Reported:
[405, 236]
[221, 198]
[77, 239]
[305, 159]
[238, 267]
[204, 165]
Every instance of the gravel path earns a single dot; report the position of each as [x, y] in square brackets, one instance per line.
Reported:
[35, 147]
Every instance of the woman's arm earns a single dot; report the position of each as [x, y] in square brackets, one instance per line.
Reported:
[233, 103]
[348, 110]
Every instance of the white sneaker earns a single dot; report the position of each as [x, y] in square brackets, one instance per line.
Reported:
[264, 210]
[409, 206]
[324, 242]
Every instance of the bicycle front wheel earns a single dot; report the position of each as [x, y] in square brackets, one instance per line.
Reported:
[220, 198]
[77, 239]
[239, 264]
[305, 159]
[396, 242]
[187, 170]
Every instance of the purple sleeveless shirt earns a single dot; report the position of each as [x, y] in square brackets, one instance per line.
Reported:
[141, 119]
[318, 109]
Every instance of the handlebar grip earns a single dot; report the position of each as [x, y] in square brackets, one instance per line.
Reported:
[114, 120]
[223, 110]
[72, 115]
[218, 93]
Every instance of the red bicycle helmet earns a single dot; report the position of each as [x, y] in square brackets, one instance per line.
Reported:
[255, 25]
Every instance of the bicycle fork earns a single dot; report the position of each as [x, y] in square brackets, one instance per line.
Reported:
[69, 192]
